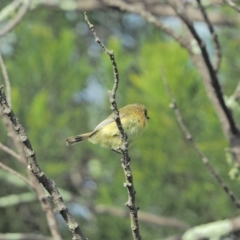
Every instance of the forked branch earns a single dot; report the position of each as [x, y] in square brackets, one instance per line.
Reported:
[47, 183]
[233, 128]
[190, 139]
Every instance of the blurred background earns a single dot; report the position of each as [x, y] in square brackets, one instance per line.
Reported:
[60, 78]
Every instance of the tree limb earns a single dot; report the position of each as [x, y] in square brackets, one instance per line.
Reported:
[140, 9]
[158, 8]
[20, 176]
[47, 183]
[11, 24]
[143, 216]
[10, 151]
[232, 5]
[212, 73]
[46, 206]
[218, 54]
[133, 209]
[190, 139]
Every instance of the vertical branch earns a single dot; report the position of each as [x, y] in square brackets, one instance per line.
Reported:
[47, 183]
[190, 139]
[116, 80]
[133, 209]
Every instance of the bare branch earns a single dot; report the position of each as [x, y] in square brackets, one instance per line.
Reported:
[10, 151]
[218, 53]
[232, 5]
[11, 24]
[6, 80]
[190, 139]
[212, 73]
[9, 9]
[48, 184]
[46, 206]
[133, 209]
[143, 216]
[10, 170]
[157, 8]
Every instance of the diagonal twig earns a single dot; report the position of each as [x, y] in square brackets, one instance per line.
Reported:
[212, 73]
[143, 216]
[133, 209]
[9, 9]
[6, 80]
[10, 151]
[47, 183]
[21, 13]
[17, 174]
[190, 139]
[232, 5]
[218, 53]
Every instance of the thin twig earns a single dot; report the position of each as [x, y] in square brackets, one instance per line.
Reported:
[142, 216]
[9, 9]
[218, 53]
[6, 80]
[10, 170]
[133, 209]
[11, 24]
[190, 139]
[212, 73]
[232, 5]
[47, 183]
[10, 151]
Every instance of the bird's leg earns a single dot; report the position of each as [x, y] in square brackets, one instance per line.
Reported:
[117, 150]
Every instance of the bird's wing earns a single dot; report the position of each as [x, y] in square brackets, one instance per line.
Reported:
[108, 120]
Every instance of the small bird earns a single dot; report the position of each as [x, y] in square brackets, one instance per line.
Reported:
[134, 121]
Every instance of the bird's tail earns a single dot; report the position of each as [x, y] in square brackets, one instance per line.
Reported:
[75, 139]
